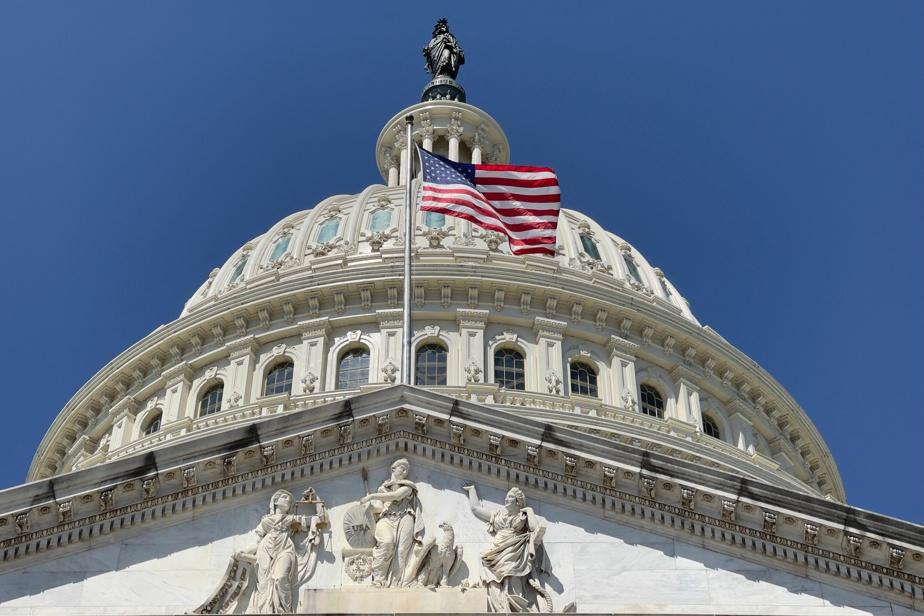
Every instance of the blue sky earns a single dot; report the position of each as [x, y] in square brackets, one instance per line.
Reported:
[768, 156]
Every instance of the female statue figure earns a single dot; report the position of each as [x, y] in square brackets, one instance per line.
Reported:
[512, 564]
[398, 527]
[281, 564]
[443, 54]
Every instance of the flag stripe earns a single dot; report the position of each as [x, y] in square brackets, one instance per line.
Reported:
[487, 179]
[519, 231]
[522, 202]
[507, 208]
[459, 212]
[506, 196]
[515, 168]
[519, 190]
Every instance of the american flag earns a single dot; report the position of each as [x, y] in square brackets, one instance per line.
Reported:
[520, 202]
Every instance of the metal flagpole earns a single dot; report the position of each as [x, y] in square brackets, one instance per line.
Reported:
[408, 241]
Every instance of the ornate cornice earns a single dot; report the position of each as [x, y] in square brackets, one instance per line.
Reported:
[467, 317]
[549, 328]
[315, 328]
[748, 519]
[621, 346]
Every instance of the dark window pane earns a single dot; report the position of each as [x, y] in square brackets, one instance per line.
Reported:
[590, 246]
[633, 269]
[210, 402]
[354, 369]
[279, 379]
[583, 380]
[710, 428]
[153, 425]
[431, 361]
[652, 402]
[509, 369]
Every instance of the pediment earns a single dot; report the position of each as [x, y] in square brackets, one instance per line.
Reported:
[625, 529]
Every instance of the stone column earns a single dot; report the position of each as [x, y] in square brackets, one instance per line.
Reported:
[403, 170]
[391, 323]
[179, 380]
[688, 407]
[479, 141]
[243, 356]
[549, 334]
[315, 340]
[426, 130]
[455, 133]
[391, 163]
[471, 349]
[624, 387]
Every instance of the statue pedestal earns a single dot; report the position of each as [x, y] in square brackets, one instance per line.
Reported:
[368, 600]
[443, 88]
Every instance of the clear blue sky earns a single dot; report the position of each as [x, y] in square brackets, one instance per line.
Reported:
[768, 156]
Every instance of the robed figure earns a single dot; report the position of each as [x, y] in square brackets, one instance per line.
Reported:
[512, 564]
[284, 556]
[399, 527]
[443, 54]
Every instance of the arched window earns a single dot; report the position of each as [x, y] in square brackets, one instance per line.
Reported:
[632, 268]
[652, 402]
[279, 379]
[509, 369]
[353, 370]
[590, 246]
[280, 247]
[430, 365]
[583, 379]
[210, 402]
[238, 269]
[710, 428]
[152, 425]
[380, 220]
[328, 230]
[434, 220]
[667, 291]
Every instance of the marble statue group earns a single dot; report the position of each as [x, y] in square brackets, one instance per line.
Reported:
[387, 547]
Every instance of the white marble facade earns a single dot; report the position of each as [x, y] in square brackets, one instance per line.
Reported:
[598, 564]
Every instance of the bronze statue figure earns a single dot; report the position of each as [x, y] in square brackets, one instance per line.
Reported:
[443, 53]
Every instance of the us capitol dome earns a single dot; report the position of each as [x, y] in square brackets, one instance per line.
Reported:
[584, 378]
[309, 311]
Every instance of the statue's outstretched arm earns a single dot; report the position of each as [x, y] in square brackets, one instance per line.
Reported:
[400, 493]
[481, 512]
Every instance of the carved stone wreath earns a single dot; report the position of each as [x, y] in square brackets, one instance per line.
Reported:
[358, 567]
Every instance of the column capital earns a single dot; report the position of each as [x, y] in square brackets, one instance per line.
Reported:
[467, 317]
[393, 317]
[622, 348]
[180, 373]
[243, 346]
[549, 328]
[315, 328]
[128, 406]
[684, 375]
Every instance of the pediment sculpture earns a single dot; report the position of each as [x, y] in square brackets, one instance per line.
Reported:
[389, 553]
[512, 565]
[267, 575]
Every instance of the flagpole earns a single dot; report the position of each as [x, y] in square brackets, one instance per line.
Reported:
[408, 241]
